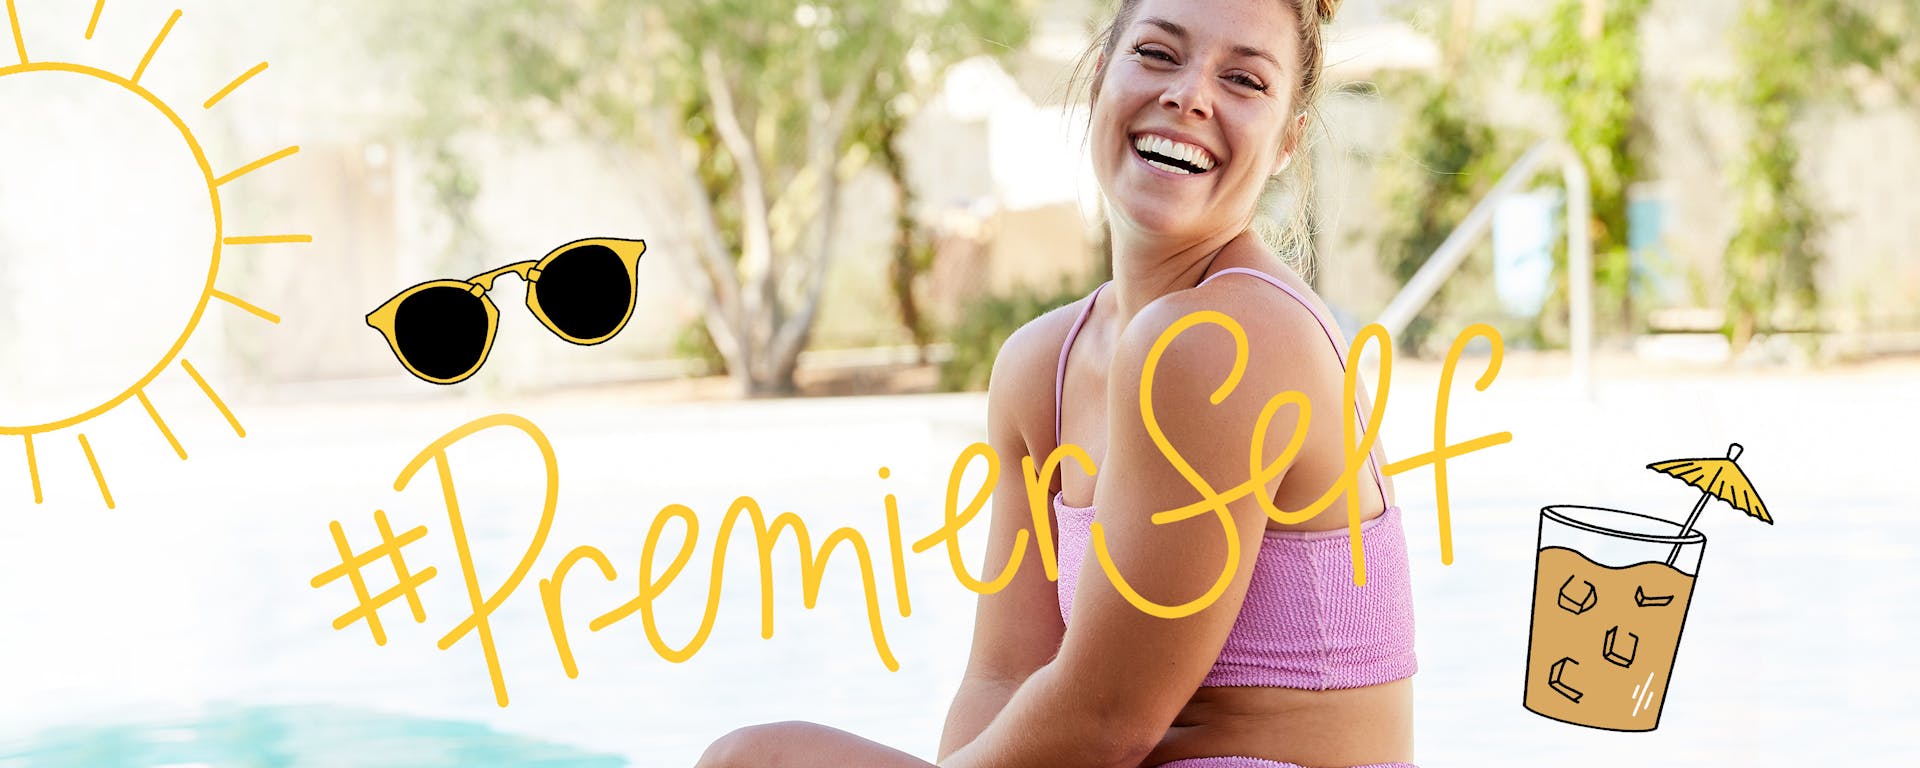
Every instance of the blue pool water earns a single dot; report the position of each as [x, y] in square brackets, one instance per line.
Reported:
[294, 736]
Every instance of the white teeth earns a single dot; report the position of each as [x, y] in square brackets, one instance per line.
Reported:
[1161, 145]
[1168, 168]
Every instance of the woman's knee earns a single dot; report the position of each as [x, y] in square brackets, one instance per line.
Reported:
[753, 746]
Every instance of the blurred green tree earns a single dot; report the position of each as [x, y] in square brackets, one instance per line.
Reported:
[1796, 56]
[1584, 57]
[742, 117]
[981, 27]
[1446, 158]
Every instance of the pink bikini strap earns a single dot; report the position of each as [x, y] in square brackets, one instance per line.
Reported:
[1060, 374]
[1328, 330]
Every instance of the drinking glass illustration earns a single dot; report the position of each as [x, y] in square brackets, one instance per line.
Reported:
[1610, 597]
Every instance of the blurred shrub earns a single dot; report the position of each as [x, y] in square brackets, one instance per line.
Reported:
[1589, 68]
[693, 342]
[1447, 158]
[1795, 57]
[988, 322]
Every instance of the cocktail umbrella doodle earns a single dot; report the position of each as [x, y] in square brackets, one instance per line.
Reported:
[1720, 478]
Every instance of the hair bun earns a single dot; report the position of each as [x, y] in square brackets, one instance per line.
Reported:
[1327, 9]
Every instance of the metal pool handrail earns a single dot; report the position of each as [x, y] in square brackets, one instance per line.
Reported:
[1453, 251]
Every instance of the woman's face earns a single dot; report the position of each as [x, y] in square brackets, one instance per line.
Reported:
[1192, 106]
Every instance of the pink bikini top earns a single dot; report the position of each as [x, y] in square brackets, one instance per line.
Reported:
[1303, 624]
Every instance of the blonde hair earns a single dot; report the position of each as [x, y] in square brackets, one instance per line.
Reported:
[1290, 237]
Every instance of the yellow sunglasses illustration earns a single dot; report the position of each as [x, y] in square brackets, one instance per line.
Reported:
[442, 330]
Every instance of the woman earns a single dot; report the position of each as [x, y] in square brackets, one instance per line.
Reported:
[1197, 106]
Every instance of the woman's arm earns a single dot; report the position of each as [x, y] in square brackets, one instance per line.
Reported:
[1122, 675]
[975, 704]
[1018, 629]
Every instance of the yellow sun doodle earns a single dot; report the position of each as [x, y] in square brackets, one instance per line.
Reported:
[653, 581]
[27, 67]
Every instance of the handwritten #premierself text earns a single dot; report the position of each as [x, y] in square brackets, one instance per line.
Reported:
[653, 582]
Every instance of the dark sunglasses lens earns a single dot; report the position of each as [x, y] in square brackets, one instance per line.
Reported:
[585, 291]
[441, 331]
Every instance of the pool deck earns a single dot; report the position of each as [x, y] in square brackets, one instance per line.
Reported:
[194, 592]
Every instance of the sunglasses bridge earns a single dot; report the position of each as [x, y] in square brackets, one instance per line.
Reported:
[482, 283]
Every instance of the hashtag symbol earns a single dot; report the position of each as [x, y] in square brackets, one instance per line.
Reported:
[350, 564]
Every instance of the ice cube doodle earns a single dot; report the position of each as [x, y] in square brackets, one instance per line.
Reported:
[1611, 651]
[1560, 687]
[1644, 600]
[1578, 605]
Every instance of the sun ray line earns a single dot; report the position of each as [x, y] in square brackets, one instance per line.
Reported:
[95, 20]
[267, 239]
[248, 306]
[19, 41]
[105, 494]
[255, 165]
[217, 402]
[155, 47]
[162, 424]
[237, 82]
[33, 470]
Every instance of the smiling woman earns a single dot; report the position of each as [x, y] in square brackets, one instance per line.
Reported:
[1198, 109]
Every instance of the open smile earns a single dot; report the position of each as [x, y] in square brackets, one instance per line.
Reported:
[1170, 156]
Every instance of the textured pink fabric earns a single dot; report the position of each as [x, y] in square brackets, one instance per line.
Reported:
[1303, 624]
[1257, 762]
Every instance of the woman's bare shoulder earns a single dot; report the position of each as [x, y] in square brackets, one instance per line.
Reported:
[1021, 386]
[1279, 329]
